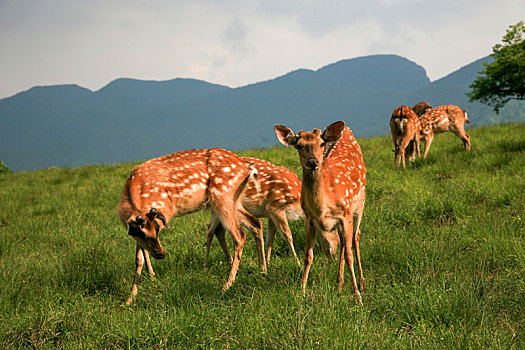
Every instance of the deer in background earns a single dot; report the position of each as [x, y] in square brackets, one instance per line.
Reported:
[332, 192]
[421, 108]
[442, 119]
[275, 195]
[405, 127]
[182, 183]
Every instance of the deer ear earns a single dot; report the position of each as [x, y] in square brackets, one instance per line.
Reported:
[152, 214]
[333, 131]
[285, 135]
[162, 218]
[134, 225]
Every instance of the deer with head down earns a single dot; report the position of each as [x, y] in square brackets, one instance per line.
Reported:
[182, 183]
[421, 108]
[442, 119]
[275, 195]
[332, 192]
[405, 127]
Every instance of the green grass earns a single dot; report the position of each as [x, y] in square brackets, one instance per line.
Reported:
[442, 245]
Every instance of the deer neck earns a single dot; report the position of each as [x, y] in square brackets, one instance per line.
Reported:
[313, 188]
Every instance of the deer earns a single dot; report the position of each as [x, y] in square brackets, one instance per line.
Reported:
[421, 108]
[441, 119]
[405, 127]
[276, 196]
[332, 192]
[182, 183]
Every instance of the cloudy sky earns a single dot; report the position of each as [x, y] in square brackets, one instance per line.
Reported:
[235, 42]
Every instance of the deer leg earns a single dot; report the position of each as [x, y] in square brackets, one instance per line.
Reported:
[220, 233]
[417, 147]
[460, 132]
[284, 229]
[254, 225]
[230, 221]
[402, 147]
[215, 228]
[139, 263]
[341, 272]
[347, 237]
[309, 252]
[428, 141]
[270, 236]
[147, 260]
[396, 151]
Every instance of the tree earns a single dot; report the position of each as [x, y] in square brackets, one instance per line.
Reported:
[503, 79]
[3, 168]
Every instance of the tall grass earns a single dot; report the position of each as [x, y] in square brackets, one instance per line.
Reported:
[442, 249]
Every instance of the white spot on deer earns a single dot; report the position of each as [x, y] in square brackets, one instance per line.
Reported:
[164, 195]
[145, 195]
[226, 169]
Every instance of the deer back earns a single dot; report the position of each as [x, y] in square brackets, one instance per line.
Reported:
[278, 188]
[404, 122]
[344, 170]
[441, 118]
[182, 182]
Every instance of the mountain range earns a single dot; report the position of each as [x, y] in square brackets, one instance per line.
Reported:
[130, 120]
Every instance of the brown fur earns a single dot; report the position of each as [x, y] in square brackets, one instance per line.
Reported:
[276, 196]
[332, 193]
[178, 184]
[405, 128]
[421, 108]
[442, 119]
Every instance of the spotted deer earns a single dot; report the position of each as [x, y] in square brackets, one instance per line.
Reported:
[441, 119]
[405, 128]
[332, 192]
[181, 183]
[275, 195]
[421, 108]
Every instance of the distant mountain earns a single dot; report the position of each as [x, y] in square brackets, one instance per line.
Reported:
[129, 119]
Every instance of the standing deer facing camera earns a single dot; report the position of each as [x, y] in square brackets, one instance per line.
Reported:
[332, 193]
[405, 128]
[275, 195]
[182, 183]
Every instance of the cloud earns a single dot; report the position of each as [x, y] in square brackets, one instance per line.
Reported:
[235, 42]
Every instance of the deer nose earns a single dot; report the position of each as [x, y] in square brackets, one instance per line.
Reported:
[159, 254]
[312, 163]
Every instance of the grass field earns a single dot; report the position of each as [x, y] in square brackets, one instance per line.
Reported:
[443, 250]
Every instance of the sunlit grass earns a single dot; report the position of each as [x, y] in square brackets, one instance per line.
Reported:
[442, 249]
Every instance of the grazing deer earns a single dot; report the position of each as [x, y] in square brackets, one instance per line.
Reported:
[442, 119]
[332, 193]
[182, 183]
[421, 108]
[405, 128]
[276, 196]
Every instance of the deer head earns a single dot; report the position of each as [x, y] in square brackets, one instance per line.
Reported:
[310, 145]
[145, 230]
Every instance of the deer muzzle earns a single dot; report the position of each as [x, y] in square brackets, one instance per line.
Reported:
[312, 163]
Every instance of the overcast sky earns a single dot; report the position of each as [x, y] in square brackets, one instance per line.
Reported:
[235, 43]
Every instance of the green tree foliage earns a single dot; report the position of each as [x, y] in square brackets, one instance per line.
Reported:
[504, 79]
[3, 168]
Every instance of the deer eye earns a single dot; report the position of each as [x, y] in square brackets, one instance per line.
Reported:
[298, 146]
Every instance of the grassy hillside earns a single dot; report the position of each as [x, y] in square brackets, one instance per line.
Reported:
[442, 244]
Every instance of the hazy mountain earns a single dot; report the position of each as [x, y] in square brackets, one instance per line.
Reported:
[128, 119]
